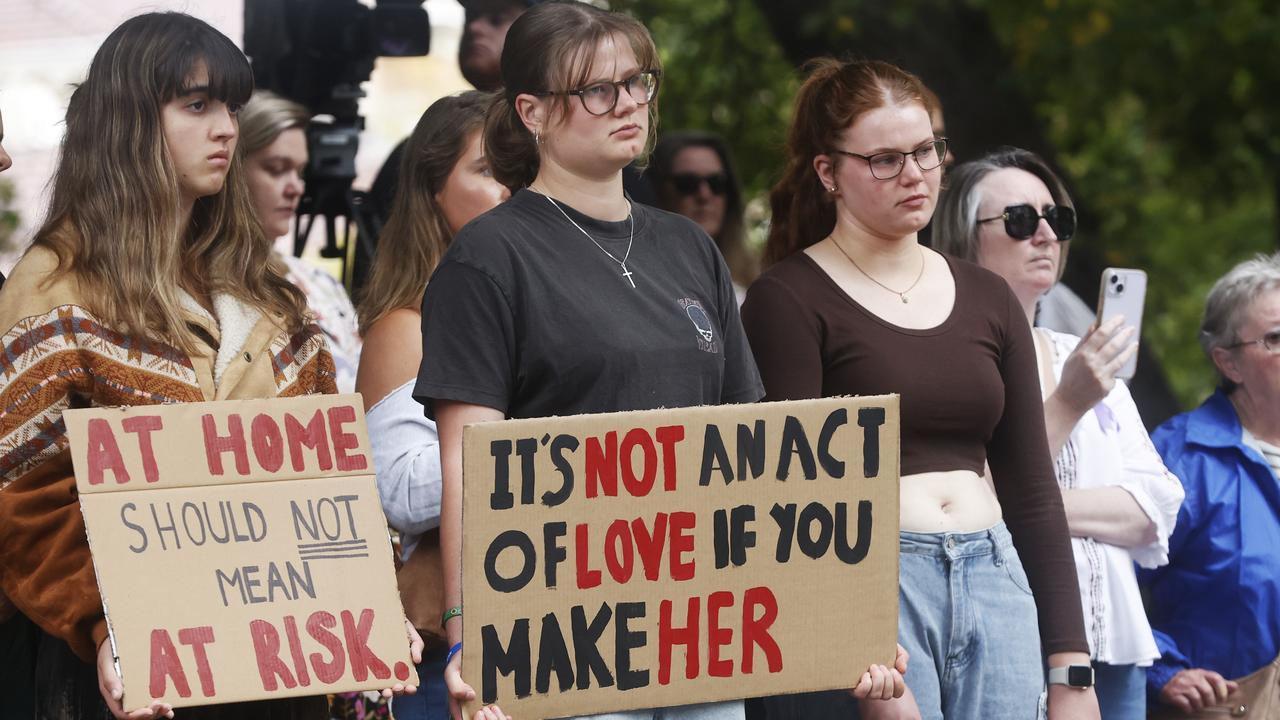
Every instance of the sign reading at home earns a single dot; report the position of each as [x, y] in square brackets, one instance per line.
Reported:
[241, 549]
[648, 559]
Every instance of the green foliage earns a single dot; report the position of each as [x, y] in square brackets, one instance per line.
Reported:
[723, 73]
[1162, 116]
[8, 216]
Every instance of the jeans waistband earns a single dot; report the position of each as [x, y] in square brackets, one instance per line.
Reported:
[995, 540]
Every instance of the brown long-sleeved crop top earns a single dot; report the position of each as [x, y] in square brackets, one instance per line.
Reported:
[970, 392]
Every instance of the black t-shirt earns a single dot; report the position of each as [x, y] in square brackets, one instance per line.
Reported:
[526, 315]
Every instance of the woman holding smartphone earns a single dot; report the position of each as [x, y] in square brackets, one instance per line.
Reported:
[1009, 213]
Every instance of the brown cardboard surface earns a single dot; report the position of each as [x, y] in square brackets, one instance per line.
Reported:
[259, 579]
[551, 631]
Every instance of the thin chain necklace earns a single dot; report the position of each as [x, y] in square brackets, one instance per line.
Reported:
[621, 263]
[900, 293]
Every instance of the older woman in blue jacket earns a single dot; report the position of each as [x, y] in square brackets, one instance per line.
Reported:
[1215, 607]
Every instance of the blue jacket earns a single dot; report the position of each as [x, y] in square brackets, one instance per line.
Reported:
[1216, 605]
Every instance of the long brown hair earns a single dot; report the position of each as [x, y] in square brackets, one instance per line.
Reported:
[551, 47]
[114, 214]
[416, 234]
[835, 94]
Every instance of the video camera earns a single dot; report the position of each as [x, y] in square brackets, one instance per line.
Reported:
[318, 53]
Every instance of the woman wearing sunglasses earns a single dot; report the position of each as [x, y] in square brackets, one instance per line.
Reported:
[854, 305]
[1009, 213]
[693, 175]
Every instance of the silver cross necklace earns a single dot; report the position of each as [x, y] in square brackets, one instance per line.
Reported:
[621, 263]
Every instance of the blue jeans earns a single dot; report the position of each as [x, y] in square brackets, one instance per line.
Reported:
[731, 710]
[431, 702]
[968, 619]
[1122, 691]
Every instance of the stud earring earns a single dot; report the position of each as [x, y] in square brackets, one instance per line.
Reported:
[832, 188]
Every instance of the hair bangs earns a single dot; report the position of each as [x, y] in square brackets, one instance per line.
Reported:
[229, 77]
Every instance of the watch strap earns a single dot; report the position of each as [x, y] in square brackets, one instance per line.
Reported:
[1078, 676]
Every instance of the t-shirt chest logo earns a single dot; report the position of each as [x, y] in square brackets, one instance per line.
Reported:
[706, 330]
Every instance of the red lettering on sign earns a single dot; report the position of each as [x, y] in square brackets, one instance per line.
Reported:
[266, 650]
[268, 443]
[668, 436]
[619, 556]
[215, 445]
[295, 651]
[317, 627]
[104, 453]
[669, 636]
[587, 578]
[197, 638]
[343, 440]
[755, 631]
[311, 435]
[638, 486]
[166, 664]
[649, 546]
[682, 524]
[718, 637]
[602, 466]
[363, 661]
[143, 426]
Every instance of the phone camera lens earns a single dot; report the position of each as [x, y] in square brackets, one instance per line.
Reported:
[1120, 287]
[1115, 279]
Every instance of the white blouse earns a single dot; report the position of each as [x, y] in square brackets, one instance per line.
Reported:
[1110, 446]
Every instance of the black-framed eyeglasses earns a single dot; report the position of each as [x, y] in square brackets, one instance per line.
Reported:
[1021, 221]
[888, 165]
[691, 183]
[1269, 342]
[602, 97]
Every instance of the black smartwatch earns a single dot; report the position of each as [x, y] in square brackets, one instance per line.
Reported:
[1076, 676]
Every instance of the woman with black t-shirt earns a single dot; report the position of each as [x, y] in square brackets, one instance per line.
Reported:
[568, 298]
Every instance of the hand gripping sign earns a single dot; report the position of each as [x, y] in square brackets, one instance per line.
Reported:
[240, 548]
[668, 557]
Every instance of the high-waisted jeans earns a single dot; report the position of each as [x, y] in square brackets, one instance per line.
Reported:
[968, 619]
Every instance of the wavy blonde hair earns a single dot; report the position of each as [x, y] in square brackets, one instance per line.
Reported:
[114, 218]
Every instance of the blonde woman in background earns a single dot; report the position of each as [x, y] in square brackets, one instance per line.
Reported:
[273, 141]
[444, 183]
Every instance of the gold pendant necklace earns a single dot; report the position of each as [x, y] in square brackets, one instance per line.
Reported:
[900, 293]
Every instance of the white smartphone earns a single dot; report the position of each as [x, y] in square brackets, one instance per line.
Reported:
[1123, 292]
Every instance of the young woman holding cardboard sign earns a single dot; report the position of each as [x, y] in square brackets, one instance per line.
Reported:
[567, 298]
[855, 305]
[149, 283]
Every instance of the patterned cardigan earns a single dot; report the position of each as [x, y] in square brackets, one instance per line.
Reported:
[57, 355]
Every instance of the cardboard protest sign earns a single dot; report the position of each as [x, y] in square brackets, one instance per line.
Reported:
[649, 559]
[241, 549]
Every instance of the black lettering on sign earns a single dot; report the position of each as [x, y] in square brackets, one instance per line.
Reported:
[831, 465]
[553, 656]
[624, 641]
[559, 446]
[785, 517]
[513, 659]
[870, 420]
[714, 457]
[553, 553]
[585, 650]
[526, 448]
[853, 555]
[134, 527]
[796, 442]
[751, 450]
[814, 547]
[504, 540]
[501, 498]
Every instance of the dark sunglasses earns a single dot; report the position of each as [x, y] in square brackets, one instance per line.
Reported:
[1020, 221]
[690, 183]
